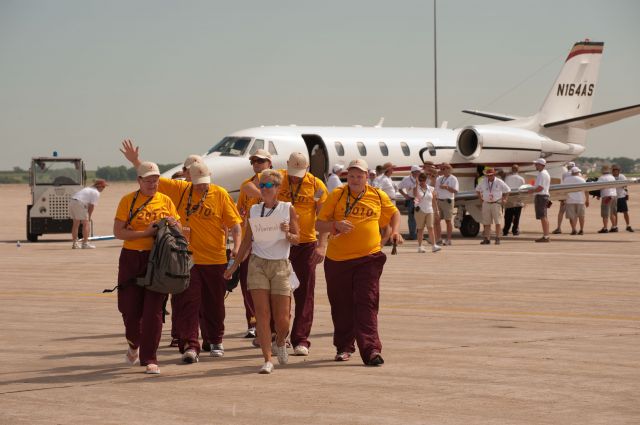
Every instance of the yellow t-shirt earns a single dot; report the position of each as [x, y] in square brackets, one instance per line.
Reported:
[307, 194]
[365, 215]
[208, 222]
[245, 202]
[159, 207]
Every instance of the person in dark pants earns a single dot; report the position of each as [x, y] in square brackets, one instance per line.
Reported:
[354, 262]
[513, 208]
[406, 189]
[141, 308]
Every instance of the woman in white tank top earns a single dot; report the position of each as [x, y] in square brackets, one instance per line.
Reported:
[272, 228]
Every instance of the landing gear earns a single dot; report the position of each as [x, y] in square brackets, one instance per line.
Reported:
[469, 228]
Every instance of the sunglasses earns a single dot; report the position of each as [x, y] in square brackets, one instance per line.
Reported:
[267, 185]
[258, 160]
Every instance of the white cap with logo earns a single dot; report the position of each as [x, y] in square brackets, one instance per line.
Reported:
[297, 164]
[360, 164]
[191, 159]
[200, 173]
[540, 161]
[415, 168]
[147, 168]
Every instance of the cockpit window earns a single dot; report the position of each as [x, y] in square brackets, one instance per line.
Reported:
[272, 148]
[258, 144]
[231, 146]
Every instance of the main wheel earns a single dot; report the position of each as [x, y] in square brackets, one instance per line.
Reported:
[31, 237]
[469, 227]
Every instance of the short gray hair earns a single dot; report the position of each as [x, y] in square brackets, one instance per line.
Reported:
[274, 175]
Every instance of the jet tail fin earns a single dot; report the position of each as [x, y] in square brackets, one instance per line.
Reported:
[595, 120]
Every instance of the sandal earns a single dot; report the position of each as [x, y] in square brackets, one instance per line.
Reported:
[152, 369]
[342, 357]
[132, 356]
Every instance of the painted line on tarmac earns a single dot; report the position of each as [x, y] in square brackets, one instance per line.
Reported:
[57, 294]
[512, 313]
[552, 253]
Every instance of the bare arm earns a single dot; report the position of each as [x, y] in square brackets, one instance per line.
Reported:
[130, 152]
[245, 246]
[236, 235]
[122, 231]
[291, 228]
[90, 209]
[395, 228]
[251, 190]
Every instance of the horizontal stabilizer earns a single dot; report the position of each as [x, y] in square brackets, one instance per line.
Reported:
[493, 116]
[596, 120]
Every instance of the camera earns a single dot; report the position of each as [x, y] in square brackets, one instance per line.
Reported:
[417, 208]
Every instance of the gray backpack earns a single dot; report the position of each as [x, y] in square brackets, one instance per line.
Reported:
[170, 262]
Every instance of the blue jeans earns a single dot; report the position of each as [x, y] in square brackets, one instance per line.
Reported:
[412, 219]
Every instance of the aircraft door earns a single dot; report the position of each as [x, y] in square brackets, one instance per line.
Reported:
[318, 157]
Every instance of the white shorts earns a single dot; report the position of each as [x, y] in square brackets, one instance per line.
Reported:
[78, 210]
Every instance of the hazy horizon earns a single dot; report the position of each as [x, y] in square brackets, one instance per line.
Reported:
[79, 76]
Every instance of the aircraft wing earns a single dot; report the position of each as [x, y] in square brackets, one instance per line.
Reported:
[596, 120]
[556, 191]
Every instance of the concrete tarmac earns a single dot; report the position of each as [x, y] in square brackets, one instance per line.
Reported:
[520, 333]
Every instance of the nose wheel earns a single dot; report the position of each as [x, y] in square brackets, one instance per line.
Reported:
[469, 228]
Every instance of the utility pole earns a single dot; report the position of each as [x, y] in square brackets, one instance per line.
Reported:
[435, 67]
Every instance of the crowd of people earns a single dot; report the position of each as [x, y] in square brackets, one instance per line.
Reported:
[284, 224]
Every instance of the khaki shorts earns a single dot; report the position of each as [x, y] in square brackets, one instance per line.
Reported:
[272, 275]
[446, 209]
[491, 213]
[608, 206]
[575, 211]
[78, 210]
[423, 219]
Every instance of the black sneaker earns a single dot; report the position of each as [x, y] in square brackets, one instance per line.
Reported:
[206, 346]
[497, 241]
[516, 232]
[613, 230]
[574, 232]
[557, 232]
[603, 230]
[251, 333]
[580, 232]
[630, 229]
[485, 242]
[375, 359]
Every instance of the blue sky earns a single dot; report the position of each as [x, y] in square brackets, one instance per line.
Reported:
[78, 76]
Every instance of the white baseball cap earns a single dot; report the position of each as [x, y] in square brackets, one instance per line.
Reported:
[260, 153]
[297, 164]
[191, 159]
[360, 164]
[575, 170]
[147, 168]
[200, 173]
[415, 168]
[337, 168]
[540, 161]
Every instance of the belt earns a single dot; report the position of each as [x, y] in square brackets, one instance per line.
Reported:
[492, 202]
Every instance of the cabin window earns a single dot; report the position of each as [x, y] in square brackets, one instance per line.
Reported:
[258, 144]
[384, 150]
[339, 148]
[272, 148]
[405, 149]
[431, 149]
[362, 149]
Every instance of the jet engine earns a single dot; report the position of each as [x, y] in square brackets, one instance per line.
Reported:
[495, 144]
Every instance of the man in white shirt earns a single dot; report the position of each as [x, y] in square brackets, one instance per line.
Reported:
[81, 207]
[494, 193]
[609, 198]
[446, 188]
[385, 183]
[562, 209]
[623, 197]
[406, 189]
[576, 201]
[334, 178]
[541, 198]
[513, 208]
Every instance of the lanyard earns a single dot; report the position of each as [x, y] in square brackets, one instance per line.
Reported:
[490, 186]
[270, 211]
[294, 196]
[140, 208]
[348, 207]
[196, 207]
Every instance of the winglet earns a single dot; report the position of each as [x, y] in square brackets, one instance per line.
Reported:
[379, 123]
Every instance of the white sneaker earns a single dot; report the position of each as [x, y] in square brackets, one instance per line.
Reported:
[76, 245]
[301, 350]
[190, 356]
[266, 368]
[283, 356]
[421, 249]
[217, 350]
[87, 245]
[436, 248]
[447, 242]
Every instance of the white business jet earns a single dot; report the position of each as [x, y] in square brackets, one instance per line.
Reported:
[557, 133]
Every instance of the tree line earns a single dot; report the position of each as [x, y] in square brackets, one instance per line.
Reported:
[123, 173]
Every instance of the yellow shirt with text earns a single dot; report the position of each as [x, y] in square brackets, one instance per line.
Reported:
[304, 198]
[365, 215]
[245, 202]
[159, 207]
[208, 223]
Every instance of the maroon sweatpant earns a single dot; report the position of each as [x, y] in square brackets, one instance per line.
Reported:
[353, 287]
[249, 310]
[187, 314]
[211, 280]
[141, 309]
[300, 257]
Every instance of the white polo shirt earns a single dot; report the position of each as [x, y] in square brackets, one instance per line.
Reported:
[450, 181]
[610, 191]
[408, 183]
[543, 180]
[621, 191]
[514, 181]
[425, 198]
[88, 196]
[492, 191]
[575, 197]
[387, 186]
